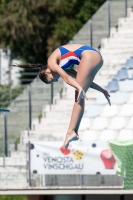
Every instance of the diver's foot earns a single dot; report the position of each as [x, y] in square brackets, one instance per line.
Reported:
[70, 137]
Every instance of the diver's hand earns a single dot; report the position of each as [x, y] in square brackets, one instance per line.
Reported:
[106, 94]
[81, 95]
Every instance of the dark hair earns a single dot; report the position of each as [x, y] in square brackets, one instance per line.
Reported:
[41, 68]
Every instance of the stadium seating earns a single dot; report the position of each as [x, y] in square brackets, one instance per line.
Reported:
[117, 123]
[127, 86]
[119, 98]
[125, 134]
[85, 124]
[92, 111]
[89, 135]
[109, 111]
[101, 100]
[112, 86]
[108, 135]
[130, 124]
[121, 74]
[99, 123]
[129, 63]
[126, 110]
[130, 100]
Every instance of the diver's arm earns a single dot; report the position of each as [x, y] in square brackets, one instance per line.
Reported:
[100, 89]
[96, 87]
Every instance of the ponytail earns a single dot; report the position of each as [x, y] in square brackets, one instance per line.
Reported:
[41, 68]
[29, 65]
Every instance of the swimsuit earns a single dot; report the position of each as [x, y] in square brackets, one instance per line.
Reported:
[70, 58]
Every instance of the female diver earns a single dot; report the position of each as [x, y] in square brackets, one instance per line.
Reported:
[61, 63]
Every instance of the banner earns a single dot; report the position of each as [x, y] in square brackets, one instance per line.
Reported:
[90, 157]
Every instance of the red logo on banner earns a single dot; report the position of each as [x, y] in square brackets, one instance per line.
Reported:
[64, 151]
[108, 159]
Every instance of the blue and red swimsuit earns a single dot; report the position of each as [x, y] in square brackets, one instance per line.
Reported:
[71, 58]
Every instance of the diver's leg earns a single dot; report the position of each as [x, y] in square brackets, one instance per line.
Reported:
[85, 75]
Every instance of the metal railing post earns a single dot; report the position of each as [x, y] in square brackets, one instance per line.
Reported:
[109, 18]
[5, 136]
[29, 172]
[125, 8]
[10, 71]
[52, 92]
[4, 164]
[91, 33]
[30, 106]
[0, 68]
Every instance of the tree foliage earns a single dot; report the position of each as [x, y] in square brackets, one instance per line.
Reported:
[5, 95]
[34, 28]
[13, 197]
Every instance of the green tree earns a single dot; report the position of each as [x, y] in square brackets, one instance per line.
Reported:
[13, 197]
[34, 28]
